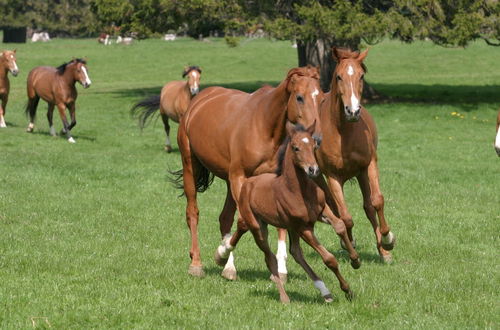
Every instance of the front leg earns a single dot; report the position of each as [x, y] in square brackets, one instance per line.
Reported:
[72, 112]
[66, 130]
[335, 186]
[3, 108]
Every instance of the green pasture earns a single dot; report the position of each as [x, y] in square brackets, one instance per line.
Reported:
[92, 235]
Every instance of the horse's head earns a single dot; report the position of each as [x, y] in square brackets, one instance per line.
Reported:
[193, 73]
[305, 96]
[81, 73]
[303, 146]
[347, 80]
[9, 59]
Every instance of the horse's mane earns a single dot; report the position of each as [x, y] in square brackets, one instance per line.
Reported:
[305, 71]
[189, 69]
[283, 146]
[61, 68]
[340, 54]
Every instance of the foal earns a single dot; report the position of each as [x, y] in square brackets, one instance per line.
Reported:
[57, 87]
[173, 101]
[289, 199]
[7, 63]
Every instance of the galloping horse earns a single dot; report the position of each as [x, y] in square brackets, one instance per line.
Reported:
[349, 147]
[289, 199]
[235, 135]
[7, 63]
[57, 87]
[173, 101]
[497, 140]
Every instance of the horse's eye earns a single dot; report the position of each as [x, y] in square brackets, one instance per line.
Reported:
[339, 78]
[295, 148]
[300, 99]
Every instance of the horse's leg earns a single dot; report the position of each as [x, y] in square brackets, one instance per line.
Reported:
[281, 255]
[298, 256]
[336, 188]
[72, 113]
[328, 258]
[50, 116]
[189, 163]
[226, 219]
[65, 130]
[168, 145]
[31, 108]
[3, 108]
[373, 203]
[339, 227]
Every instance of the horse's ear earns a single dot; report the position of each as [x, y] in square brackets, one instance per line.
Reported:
[311, 128]
[15, 50]
[335, 54]
[1, 54]
[199, 69]
[290, 128]
[185, 72]
[363, 55]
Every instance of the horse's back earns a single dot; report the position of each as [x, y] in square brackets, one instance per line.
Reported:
[41, 75]
[174, 99]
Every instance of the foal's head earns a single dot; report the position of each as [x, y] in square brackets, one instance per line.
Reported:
[8, 59]
[303, 145]
[78, 68]
[347, 80]
[305, 96]
[194, 74]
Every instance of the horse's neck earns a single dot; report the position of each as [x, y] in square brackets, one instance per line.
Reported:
[67, 77]
[273, 112]
[333, 111]
[3, 70]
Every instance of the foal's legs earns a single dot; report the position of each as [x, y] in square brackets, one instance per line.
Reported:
[168, 145]
[50, 116]
[307, 235]
[65, 130]
[189, 164]
[373, 202]
[281, 255]
[3, 108]
[31, 109]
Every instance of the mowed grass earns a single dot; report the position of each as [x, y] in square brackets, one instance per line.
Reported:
[92, 235]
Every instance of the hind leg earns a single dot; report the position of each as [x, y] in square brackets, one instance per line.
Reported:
[168, 144]
[373, 202]
[3, 108]
[226, 220]
[281, 255]
[50, 116]
[31, 110]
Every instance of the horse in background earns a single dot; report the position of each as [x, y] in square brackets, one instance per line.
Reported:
[7, 64]
[235, 135]
[40, 36]
[57, 87]
[173, 101]
[289, 199]
[104, 39]
[497, 140]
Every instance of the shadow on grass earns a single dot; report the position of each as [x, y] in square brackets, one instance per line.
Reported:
[59, 136]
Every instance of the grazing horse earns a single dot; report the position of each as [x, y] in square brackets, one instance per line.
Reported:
[104, 39]
[173, 101]
[7, 63]
[57, 87]
[289, 199]
[497, 139]
[235, 135]
[349, 148]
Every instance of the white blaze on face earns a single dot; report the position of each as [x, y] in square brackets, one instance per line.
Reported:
[497, 140]
[354, 100]
[87, 79]
[194, 74]
[314, 94]
[14, 62]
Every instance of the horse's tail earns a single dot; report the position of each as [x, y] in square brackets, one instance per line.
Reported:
[203, 178]
[145, 108]
[31, 106]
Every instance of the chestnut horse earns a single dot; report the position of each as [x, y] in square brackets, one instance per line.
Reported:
[289, 199]
[57, 87]
[7, 63]
[497, 139]
[235, 135]
[350, 147]
[173, 101]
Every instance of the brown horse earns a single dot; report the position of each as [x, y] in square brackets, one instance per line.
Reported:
[235, 135]
[173, 101]
[497, 139]
[57, 87]
[7, 63]
[289, 199]
[350, 147]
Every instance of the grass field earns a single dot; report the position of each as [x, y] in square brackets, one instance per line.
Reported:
[93, 236]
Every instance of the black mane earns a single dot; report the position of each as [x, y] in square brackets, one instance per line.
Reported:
[189, 69]
[283, 146]
[61, 68]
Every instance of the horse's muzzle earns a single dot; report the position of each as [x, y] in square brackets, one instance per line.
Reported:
[194, 91]
[14, 72]
[85, 85]
[312, 171]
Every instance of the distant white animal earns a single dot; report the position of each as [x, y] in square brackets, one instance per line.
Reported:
[125, 40]
[169, 37]
[104, 39]
[40, 36]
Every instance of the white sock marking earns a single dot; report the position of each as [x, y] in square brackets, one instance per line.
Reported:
[167, 142]
[497, 140]
[87, 79]
[281, 257]
[320, 285]
[230, 262]
[2, 122]
[31, 125]
[71, 140]
[389, 238]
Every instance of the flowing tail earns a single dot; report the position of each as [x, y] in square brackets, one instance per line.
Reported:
[145, 108]
[203, 179]
[31, 106]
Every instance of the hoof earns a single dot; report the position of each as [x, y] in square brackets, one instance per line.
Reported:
[230, 274]
[2, 125]
[283, 277]
[219, 260]
[196, 271]
[168, 149]
[386, 258]
[353, 243]
[349, 295]
[328, 298]
[29, 130]
[356, 263]
[71, 140]
[388, 241]
[285, 299]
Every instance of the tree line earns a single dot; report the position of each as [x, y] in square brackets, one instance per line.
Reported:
[314, 25]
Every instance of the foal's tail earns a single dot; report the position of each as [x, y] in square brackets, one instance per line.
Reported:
[203, 178]
[145, 108]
